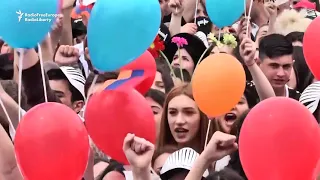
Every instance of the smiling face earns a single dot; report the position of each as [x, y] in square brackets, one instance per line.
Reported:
[186, 61]
[227, 120]
[183, 119]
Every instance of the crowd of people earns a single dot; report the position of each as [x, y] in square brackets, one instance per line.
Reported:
[268, 43]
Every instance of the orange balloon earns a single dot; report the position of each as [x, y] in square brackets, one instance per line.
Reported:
[218, 84]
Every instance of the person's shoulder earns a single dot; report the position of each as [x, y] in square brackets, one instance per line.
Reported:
[294, 93]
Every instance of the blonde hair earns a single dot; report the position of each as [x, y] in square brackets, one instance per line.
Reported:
[291, 21]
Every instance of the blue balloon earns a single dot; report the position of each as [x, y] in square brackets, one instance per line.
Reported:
[224, 12]
[119, 31]
[25, 23]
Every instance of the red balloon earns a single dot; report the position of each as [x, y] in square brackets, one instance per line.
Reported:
[112, 114]
[51, 143]
[279, 140]
[311, 44]
[147, 63]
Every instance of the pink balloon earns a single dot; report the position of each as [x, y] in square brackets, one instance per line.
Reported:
[279, 140]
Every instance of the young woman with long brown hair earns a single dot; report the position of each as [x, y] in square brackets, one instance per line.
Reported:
[182, 123]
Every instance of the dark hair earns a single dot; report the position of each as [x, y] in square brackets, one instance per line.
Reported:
[273, 46]
[204, 7]
[235, 162]
[1, 43]
[11, 88]
[295, 36]
[303, 74]
[165, 74]
[236, 53]
[100, 159]
[57, 74]
[113, 166]
[225, 174]
[100, 79]
[235, 129]
[78, 28]
[185, 73]
[156, 95]
[6, 66]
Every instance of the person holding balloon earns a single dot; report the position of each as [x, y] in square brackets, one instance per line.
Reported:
[233, 92]
[204, 86]
[220, 145]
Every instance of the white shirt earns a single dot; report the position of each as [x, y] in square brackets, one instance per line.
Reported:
[84, 63]
[287, 90]
[222, 163]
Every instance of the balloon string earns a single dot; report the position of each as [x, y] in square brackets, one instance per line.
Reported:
[8, 117]
[180, 64]
[245, 8]
[168, 63]
[248, 20]
[195, 13]
[203, 55]
[91, 86]
[205, 52]
[42, 74]
[208, 130]
[20, 81]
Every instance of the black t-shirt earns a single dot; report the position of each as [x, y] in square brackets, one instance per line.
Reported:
[164, 33]
[253, 97]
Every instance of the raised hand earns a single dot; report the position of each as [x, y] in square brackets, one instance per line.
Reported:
[58, 24]
[220, 145]
[67, 55]
[176, 7]
[248, 51]
[271, 8]
[242, 29]
[138, 151]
